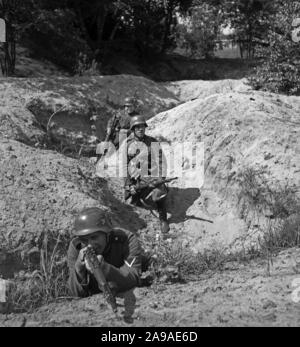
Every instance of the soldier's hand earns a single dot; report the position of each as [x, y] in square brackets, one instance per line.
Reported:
[132, 190]
[89, 266]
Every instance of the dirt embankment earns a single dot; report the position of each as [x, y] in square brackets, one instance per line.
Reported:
[27, 104]
[242, 131]
[42, 190]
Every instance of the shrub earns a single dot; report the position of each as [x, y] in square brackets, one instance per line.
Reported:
[198, 35]
[53, 36]
[277, 203]
[45, 284]
[176, 261]
[279, 71]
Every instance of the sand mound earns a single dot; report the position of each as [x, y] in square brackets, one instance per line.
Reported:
[77, 99]
[240, 130]
[41, 191]
[191, 90]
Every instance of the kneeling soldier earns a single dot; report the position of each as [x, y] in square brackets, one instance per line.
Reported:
[118, 252]
[144, 177]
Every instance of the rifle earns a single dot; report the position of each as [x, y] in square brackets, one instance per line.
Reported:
[93, 261]
[152, 184]
[155, 183]
[109, 136]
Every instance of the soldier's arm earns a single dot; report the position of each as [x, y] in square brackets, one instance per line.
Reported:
[80, 284]
[128, 275]
[160, 161]
[109, 126]
[162, 164]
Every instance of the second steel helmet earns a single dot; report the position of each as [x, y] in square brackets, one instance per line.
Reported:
[137, 120]
[91, 220]
[130, 101]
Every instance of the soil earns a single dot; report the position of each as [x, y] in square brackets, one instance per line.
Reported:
[239, 295]
[42, 190]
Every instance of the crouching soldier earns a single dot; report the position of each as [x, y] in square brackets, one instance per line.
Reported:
[144, 182]
[117, 250]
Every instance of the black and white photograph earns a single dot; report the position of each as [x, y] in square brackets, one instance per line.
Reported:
[149, 166]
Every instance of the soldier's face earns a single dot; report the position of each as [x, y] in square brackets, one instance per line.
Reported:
[139, 131]
[129, 109]
[97, 240]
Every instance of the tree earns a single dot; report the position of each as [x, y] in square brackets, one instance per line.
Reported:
[200, 30]
[280, 70]
[8, 10]
[63, 30]
[250, 19]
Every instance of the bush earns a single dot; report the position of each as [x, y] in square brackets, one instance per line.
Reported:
[258, 196]
[53, 36]
[277, 203]
[280, 68]
[198, 35]
[175, 260]
[45, 284]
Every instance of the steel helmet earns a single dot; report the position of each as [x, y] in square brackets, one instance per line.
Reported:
[130, 101]
[137, 120]
[91, 220]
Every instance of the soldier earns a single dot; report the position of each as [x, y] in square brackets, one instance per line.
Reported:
[117, 250]
[143, 171]
[120, 122]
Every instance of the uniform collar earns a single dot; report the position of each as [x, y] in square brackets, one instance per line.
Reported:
[140, 140]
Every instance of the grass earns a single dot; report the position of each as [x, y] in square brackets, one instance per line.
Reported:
[258, 197]
[174, 261]
[45, 284]
[277, 204]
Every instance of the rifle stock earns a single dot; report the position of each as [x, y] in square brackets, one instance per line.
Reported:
[157, 183]
[109, 136]
[151, 185]
[100, 278]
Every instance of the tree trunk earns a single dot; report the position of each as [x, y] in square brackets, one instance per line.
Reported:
[114, 31]
[101, 17]
[8, 61]
[82, 25]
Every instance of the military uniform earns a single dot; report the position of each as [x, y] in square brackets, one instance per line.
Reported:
[121, 266]
[122, 125]
[141, 183]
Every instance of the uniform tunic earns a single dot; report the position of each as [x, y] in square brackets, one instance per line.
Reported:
[122, 123]
[122, 264]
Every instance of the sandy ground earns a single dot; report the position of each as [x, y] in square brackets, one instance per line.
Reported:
[239, 295]
[240, 128]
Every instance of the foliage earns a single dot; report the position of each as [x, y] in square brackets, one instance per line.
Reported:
[279, 203]
[8, 12]
[53, 35]
[176, 261]
[250, 21]
[63, 31]
[199, 33]
[45, 283]
[280, 69]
